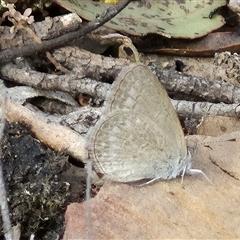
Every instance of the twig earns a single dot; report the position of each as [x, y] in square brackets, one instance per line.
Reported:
[199, 109]
[98, 67]
[124, 41]
[47, 29]
[3, 195]
[9, 54]
[57, 65]
[71, 83]
[212, 91]
[60, 138]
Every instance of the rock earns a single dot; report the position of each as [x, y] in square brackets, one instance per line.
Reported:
[167, 209]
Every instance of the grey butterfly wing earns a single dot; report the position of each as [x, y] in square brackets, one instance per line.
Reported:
[140, 91]
[139, 135]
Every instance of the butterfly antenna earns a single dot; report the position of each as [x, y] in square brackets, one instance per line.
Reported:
[193, 171]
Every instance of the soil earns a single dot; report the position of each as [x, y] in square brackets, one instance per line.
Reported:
[40, 183]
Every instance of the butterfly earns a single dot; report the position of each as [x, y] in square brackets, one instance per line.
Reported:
[139, 135]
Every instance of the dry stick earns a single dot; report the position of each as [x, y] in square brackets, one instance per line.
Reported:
[68, 83]
[98, 66]
[104, 66]
[3, 195]
[57, 65]
[199, 109]
[9, 54]
[89, 64]
[47, 29]
[56, 136]
[4, 208]
[212, 91]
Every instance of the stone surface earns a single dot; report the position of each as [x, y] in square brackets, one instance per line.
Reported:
[167, 209]
[217, 125]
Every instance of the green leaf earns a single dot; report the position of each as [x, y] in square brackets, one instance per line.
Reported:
[172, 18]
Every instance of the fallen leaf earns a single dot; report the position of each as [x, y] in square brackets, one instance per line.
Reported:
[205, 46]
[178, 19]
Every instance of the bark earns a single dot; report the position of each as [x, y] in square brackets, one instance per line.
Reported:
[47, 29]
[86, 68]
[57, 41]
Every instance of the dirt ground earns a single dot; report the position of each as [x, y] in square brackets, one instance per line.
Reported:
[40, 184]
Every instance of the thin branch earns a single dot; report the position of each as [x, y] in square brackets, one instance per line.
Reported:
[9, 54]
[199, 109]
[71, 83]
[212, 91]
[47, 29]
[58, 137]
[3, 195]
[96, 67]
